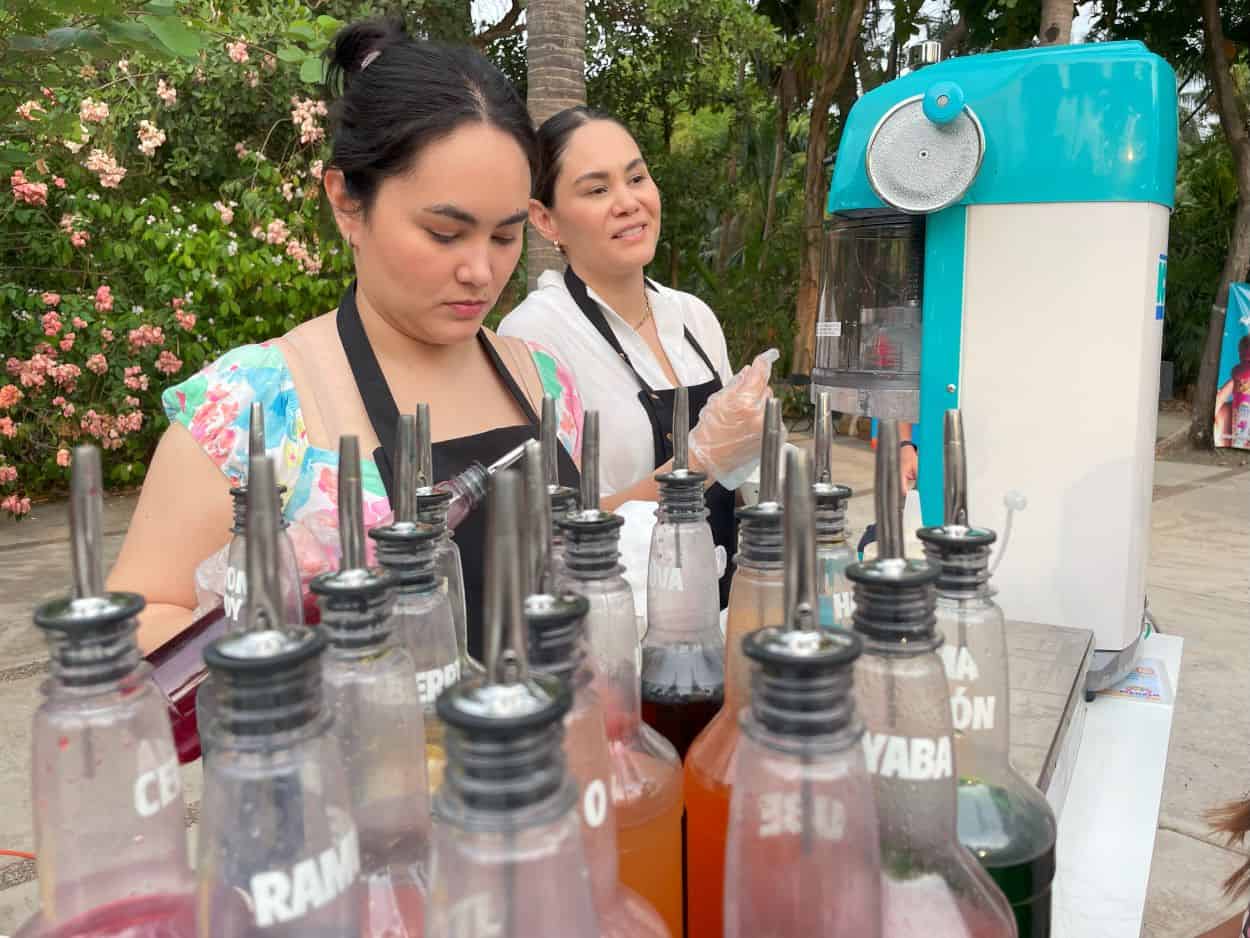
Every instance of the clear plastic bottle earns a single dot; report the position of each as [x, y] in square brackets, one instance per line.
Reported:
[370, 690]
[646, 773]
[422, 616]
[756, 599]
[557, 647]
[802, 857]
[683, 651]
[178, 665]
[932, 884]
[279, 853]
[109, 822]
[1004, 820]
[507, 857]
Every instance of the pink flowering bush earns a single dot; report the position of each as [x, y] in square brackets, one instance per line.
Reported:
[128, 189]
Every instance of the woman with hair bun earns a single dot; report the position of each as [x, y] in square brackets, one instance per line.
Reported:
[433, 158]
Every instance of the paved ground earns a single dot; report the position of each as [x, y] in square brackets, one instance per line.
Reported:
[1200, 555]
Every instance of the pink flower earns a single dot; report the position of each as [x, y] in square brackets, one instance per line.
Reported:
[237, 51]
[304, 115]
[51, 323]
[92, 112]
[168, 363]
[8, 474]
[79, 322]
[134, 380]
[240, 150]
[106, 335]
[98, 363]
[10, 394]
[32, 193]
[27, 111]
[50, 299]
[79, 239]
[67, 341]
[7, 427]
[103, 299]
[62, 457]
[15, 506]
[146, 335]
[111, 174]
[253, 78]
[58, 181]
[58, 401]
[166, 93]
[66, 376]
[316, 169]
[49, 94]
[150, 138]
[132, 401]
[185, 320]
[68, 410]
[225, 211]
[276, 232]
[66, 223]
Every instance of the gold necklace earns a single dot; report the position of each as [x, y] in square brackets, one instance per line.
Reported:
[646, 302]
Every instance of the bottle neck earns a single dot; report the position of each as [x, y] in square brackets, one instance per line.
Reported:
[592, 550]
[830, 513]
[761, 538]
[98, 658]
[681, 498]
[432, 508]
[408, 555]
[964, 572]
[256, 710]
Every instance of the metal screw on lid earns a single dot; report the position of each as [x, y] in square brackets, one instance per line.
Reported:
[894, 597]
[554, 622]
[406, 547]
[830, 498]
[90, 633]
[760, 533]
[681, 489]
[961, 552]
[504, 727]
[803, 683]
[356, 601]
[255, 447]
[269, 678]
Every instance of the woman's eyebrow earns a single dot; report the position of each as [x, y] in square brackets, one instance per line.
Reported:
[460, 215]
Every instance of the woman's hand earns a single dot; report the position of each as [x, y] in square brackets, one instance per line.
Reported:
[731, 423]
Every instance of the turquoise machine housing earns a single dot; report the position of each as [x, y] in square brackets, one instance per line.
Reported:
[1075, 129]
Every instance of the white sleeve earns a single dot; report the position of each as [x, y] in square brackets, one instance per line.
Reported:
[712, 337]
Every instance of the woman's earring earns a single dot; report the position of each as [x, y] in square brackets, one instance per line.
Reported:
[558, 246]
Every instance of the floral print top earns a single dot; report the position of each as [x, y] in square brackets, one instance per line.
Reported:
[214, 405]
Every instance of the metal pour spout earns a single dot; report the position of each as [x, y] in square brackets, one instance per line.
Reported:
[505, 628]
[507, 460]
[256, 431]
[590, 461]
[536, 533]
[822, 471]
[547, 438]
[770, 453]
[800, 544]
[956, 488]
[86, 488]
[681, 429]
[406, 470]
[425, 449]
[888, 498]
[264, 590]
[351, 514]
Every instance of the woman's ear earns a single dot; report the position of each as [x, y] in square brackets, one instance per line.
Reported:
[543, 221]
[347, 213]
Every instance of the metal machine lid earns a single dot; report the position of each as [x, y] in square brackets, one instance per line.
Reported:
[918, 165]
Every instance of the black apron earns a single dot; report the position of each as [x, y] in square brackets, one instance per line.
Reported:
[658, 405]
[450, 456]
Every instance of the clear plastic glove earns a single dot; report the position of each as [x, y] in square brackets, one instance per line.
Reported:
[726, 440]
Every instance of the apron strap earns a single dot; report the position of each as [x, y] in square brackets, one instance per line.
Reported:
[374, 391]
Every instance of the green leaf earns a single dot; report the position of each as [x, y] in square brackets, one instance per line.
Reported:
[302, 29]
[313, 71]
[174, 35]
[161, 7]
[12, 156]
[291, 54]
[329, 24]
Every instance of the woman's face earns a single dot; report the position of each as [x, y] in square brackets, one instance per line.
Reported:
[441, 240]
[607, 207]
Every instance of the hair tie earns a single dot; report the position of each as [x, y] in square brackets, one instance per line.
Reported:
[368, 59]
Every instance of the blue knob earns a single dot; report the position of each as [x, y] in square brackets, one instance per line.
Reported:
[943, 102]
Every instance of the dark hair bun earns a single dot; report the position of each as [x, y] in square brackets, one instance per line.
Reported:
[345, 56]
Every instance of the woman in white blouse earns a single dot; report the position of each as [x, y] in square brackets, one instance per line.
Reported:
[629, 341]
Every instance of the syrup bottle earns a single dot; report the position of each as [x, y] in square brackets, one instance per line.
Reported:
[833, 552]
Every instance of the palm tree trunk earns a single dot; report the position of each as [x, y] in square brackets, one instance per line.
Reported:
[837, 29]
[774, 180]
[1232, 111]
[557, 79]
[1056, 28]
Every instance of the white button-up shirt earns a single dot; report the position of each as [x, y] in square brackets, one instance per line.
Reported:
[550, 317]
